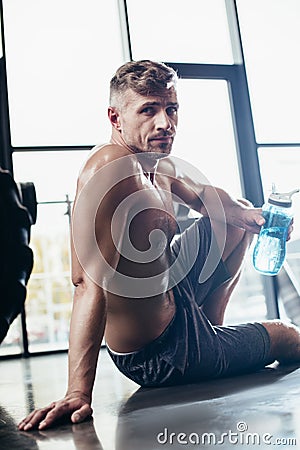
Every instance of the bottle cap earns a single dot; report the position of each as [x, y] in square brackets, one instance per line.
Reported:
[278, 200]
[282, 199]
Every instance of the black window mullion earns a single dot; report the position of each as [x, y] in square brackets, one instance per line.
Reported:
[245, 137]
[5, 137]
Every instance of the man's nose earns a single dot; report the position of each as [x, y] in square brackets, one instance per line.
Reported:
[163, 121]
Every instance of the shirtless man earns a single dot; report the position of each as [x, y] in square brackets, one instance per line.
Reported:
[138, 286]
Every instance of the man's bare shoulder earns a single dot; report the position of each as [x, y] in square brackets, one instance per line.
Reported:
[167, 167]
[109, 160]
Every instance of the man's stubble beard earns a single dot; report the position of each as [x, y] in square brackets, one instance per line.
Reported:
[153, 153]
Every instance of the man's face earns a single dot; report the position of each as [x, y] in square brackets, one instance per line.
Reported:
[148, 123]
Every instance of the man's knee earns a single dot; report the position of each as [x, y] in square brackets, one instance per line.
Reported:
[284, 341]
[245, 235]
[237, 245]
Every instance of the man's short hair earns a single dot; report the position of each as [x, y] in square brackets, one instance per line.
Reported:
[144, 77]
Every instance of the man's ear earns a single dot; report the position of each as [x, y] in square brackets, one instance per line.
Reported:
[114, 118]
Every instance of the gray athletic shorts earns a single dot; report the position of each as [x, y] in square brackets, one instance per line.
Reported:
[191, 348]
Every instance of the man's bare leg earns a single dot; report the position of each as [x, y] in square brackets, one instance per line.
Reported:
[285, 341]
[284, 337]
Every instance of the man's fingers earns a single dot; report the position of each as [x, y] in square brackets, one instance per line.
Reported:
[81, 414]
[290, 230]
[34, 418]
[260, 220]
[43, 418]
[54, 414]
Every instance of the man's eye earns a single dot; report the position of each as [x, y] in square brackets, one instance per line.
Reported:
[172, 111]
[148, 110]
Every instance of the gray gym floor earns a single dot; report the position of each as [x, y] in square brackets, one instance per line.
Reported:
[260, 410]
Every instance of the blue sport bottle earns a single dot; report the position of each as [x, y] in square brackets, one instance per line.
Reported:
[270, 249]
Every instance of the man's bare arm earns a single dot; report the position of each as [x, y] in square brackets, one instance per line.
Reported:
[214, 202]
[86, 333]
[92, 248]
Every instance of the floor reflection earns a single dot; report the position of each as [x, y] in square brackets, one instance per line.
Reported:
[83, 437]
[10, 438]
[243, 406]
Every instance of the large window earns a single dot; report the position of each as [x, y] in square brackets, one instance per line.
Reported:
[271, 36]
[184, 31]
[60, 55]
[205, 134]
